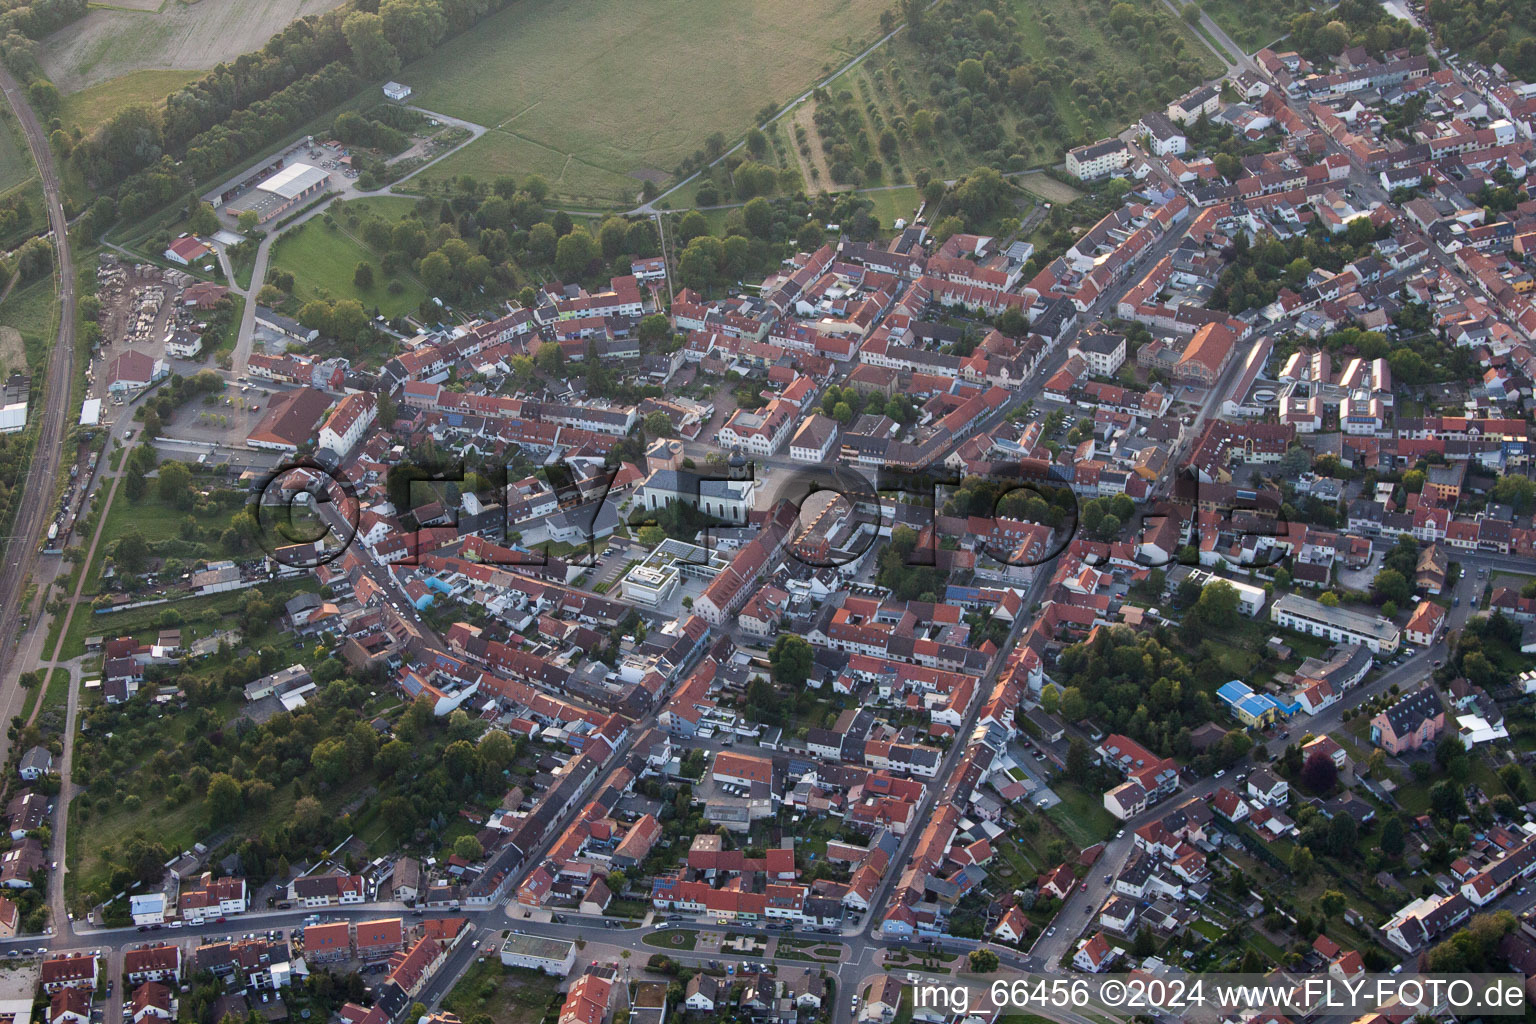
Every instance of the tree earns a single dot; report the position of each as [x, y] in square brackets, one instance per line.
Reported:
[373, 54]
[655, 329]
[468, 848]
[203, 220]
[1446, 801]
[657, 424]
[1514, 489]
[617, 881]
[1217, 607]
[790, 659]
[1302, 863]
[1332, 902]
[175, 484]
[131, 551]
[362, 276]
[757, 215]
[692, 226]
[44, 96]
[983, 961]
[1328, 599]
[651, 535]
[1078, 761]
[223, 799]
[1144, 944]
[971, 74]
[1319, 773]
[612, 236]
[1393, 840]
[1391, 585]
[810, 235]
[700, 262]
[550, 359]
[1050, 698]
[1448, 750]
[1342, 836]
[541, 242]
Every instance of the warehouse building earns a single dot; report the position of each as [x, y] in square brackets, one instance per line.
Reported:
[285, 190]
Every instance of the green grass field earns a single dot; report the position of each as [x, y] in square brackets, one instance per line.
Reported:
[322, 260]
[891, 203]
[16, 164]
[631, 91]
[500, 152]
[154, 519]
[33, 310]
[90, 108]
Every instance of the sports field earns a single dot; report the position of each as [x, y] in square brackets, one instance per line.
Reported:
[630, 89]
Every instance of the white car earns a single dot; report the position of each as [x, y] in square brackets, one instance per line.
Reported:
[1221, 773]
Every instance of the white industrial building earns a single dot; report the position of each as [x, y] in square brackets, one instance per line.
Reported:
[552, 956]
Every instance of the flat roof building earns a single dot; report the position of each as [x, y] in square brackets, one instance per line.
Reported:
[295, 181]
[281, 191]
[1337, 624]
[552, 956]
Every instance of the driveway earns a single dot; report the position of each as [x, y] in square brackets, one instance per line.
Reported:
[1041, 795]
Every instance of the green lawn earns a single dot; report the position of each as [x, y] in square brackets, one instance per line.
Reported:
[1081, 815]
[498, 153]
[672, 938]
[1207, 929]
[94, 106]
[322, 260]
[634, 95]
[891, 203]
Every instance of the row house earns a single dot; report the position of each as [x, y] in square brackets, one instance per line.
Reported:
[328, 890]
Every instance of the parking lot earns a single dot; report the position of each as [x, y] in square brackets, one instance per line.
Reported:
[225, 418]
